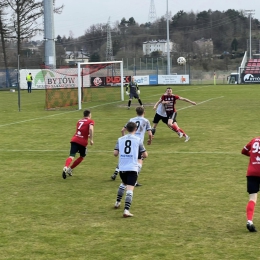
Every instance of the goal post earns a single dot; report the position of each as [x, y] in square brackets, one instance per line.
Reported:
[71, 86]
[105, 63]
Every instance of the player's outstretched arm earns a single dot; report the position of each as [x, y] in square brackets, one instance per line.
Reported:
[157, 103]
[187, 100]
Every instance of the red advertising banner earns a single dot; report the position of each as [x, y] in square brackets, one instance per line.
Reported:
[109, 81]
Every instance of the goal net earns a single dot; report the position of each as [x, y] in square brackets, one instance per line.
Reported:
[89, 81]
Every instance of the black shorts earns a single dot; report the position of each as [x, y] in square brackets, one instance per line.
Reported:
[128, 177]
[253, 183]
[157, 119]
[172, 115]
[135, 95]
[77, 148]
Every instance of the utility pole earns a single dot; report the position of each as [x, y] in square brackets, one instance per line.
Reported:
[152, 13]
[250, 12]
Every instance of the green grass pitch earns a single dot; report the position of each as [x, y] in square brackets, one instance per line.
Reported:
[192, 202]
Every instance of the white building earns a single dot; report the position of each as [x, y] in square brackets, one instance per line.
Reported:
[157, 45]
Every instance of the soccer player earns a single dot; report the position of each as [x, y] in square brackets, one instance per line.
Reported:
[143, 125]
[79, 142]
[252, 149]
[134, 92]
[161, 115]
[128, 148]
[169, 101]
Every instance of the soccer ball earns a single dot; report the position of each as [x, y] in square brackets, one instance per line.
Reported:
[181, 61]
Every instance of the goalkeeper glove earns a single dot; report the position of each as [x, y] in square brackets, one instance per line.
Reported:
[138, 92]
[127, 93]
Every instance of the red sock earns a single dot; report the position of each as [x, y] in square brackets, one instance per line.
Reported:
[175, 128]
[68, 162]
[182, 132]
[250, 208]
[77, 162]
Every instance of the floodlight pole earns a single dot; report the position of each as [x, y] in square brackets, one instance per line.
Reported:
[250, 12]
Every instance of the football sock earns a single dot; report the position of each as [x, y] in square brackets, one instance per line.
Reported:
[140, 102]
[68, 162]
[77, 162]
[173, 128]
[116, 170]
[128, 199]
[182, 132]
[129, 103]
[250, 208]
[120, 192]
[139, 168]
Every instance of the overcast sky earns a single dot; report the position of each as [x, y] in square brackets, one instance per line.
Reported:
[79, 15]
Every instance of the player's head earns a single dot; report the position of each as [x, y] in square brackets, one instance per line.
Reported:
[169, 91]
[139, 111]
[87, 113]
[132, 78]
[131, 127]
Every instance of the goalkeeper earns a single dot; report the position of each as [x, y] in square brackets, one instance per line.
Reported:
[133, 92]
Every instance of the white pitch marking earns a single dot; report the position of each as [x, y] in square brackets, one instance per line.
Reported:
[200, 103]
[38, 118]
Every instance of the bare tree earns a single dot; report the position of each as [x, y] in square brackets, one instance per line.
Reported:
[24, 16]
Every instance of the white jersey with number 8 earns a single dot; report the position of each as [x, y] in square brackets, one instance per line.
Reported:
[129, 146]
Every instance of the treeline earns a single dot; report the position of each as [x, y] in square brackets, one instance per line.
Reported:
[229, 31]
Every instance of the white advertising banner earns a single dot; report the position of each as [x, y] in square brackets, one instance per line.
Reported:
[173, 79]
[45, 78]
[142, 80]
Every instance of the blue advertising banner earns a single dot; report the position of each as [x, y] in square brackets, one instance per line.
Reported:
[153, 79]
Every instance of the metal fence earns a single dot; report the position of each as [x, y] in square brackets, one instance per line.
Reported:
[8, 79]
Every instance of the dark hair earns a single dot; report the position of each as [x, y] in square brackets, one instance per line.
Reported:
[131, 126]
[139, 111]
[86, 113]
